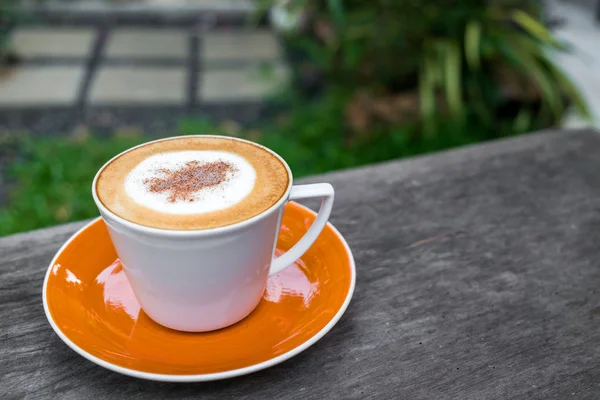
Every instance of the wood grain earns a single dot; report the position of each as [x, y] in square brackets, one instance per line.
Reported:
[478, 278]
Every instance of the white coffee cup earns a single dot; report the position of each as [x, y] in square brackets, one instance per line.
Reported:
[203, 280]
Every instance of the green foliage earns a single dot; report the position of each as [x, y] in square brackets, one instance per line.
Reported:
[50, 179]
[450, 51]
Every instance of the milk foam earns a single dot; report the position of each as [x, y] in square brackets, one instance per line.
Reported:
[239, 184]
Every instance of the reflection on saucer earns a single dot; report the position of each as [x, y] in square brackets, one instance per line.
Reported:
[292, 282]
[117, 292]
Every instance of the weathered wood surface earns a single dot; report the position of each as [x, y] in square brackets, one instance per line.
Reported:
[478, 278]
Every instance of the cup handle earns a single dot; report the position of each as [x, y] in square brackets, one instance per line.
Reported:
[323, 190]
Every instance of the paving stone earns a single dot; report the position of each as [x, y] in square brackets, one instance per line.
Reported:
[53, 42]
[148, 85]
[33, 86]
[213, 5]
[244, 83]
[161, 10]
[240, 45]
[148, 43]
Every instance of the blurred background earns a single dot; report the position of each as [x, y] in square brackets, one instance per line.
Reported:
[328, 84]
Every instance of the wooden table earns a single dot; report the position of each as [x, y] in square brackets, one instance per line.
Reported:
[478, 278]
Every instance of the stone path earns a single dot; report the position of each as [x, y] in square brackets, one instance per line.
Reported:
[137, 66]
[59, 9]
[78, 69]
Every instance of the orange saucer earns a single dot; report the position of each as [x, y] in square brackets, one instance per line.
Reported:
[88, 302]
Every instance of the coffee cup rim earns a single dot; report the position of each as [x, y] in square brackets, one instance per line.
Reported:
[152, 231]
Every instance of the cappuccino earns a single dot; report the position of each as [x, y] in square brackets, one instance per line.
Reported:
[192, 183]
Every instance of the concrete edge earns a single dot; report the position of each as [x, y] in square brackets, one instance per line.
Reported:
[40, 234]
[409, 167]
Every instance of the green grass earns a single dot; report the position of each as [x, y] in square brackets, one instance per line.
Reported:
[51, 180]
[50, 177]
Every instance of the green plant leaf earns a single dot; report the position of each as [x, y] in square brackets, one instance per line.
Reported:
[427, 91]
[551, 92]
[318, 54]
[452, 77]
[522, 122]
[533, 27]
[527, 55]
[352, 54]
[472, 44]
[336, 9]
[358, 32]
[571, 91]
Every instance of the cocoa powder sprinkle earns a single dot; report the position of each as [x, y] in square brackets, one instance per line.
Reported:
[182, 183]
